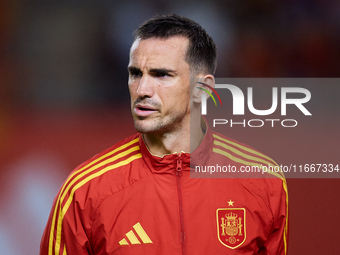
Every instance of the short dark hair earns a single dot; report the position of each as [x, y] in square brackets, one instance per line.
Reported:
[201, 53]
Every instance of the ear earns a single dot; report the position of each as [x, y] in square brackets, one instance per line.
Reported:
[200, 83]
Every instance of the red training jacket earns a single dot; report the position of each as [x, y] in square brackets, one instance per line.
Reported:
[127, 201]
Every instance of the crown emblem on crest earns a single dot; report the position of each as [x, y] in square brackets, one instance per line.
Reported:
[231, 226]
[231, 216]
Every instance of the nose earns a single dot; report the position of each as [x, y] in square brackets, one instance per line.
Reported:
[145, 87]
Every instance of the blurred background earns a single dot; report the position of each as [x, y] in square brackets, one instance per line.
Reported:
[64, 96]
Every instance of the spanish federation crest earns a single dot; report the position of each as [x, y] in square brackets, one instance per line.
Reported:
[231, 226]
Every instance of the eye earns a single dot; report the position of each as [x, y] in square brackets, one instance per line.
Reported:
[161, 74]
[135, 73]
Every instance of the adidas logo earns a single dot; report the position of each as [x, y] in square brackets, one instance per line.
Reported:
[133, 238]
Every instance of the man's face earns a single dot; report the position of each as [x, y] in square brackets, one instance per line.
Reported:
[159, 84]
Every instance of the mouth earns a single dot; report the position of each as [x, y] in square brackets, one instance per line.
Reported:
[144, 110]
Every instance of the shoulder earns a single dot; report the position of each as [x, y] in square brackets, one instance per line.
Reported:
[127, 145]
[240, 150]
[104, 174]
[244, 157]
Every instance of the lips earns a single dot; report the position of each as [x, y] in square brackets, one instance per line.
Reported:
[144, 110]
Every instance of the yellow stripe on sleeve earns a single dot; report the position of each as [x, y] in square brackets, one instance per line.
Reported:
[244, 148]
[272, 162]
[242, 154]
[64, 252]
[59, 201]
[285, 232]
[122, 154]
[87, 179]
[247, 163]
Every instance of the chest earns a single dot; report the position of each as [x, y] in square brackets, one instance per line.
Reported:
[173, 214]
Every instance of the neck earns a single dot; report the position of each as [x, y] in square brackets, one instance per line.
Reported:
[183, 140]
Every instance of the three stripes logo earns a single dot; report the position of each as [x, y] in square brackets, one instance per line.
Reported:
[212, 89]
[131, 236]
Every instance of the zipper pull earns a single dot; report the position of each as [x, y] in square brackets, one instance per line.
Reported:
[179, 163]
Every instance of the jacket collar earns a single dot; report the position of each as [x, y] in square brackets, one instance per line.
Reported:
[168, 163]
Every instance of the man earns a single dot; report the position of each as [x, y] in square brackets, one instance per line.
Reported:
[137, 197]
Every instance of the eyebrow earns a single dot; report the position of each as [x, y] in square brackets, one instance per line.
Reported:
[134, 69]
[162, 71]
